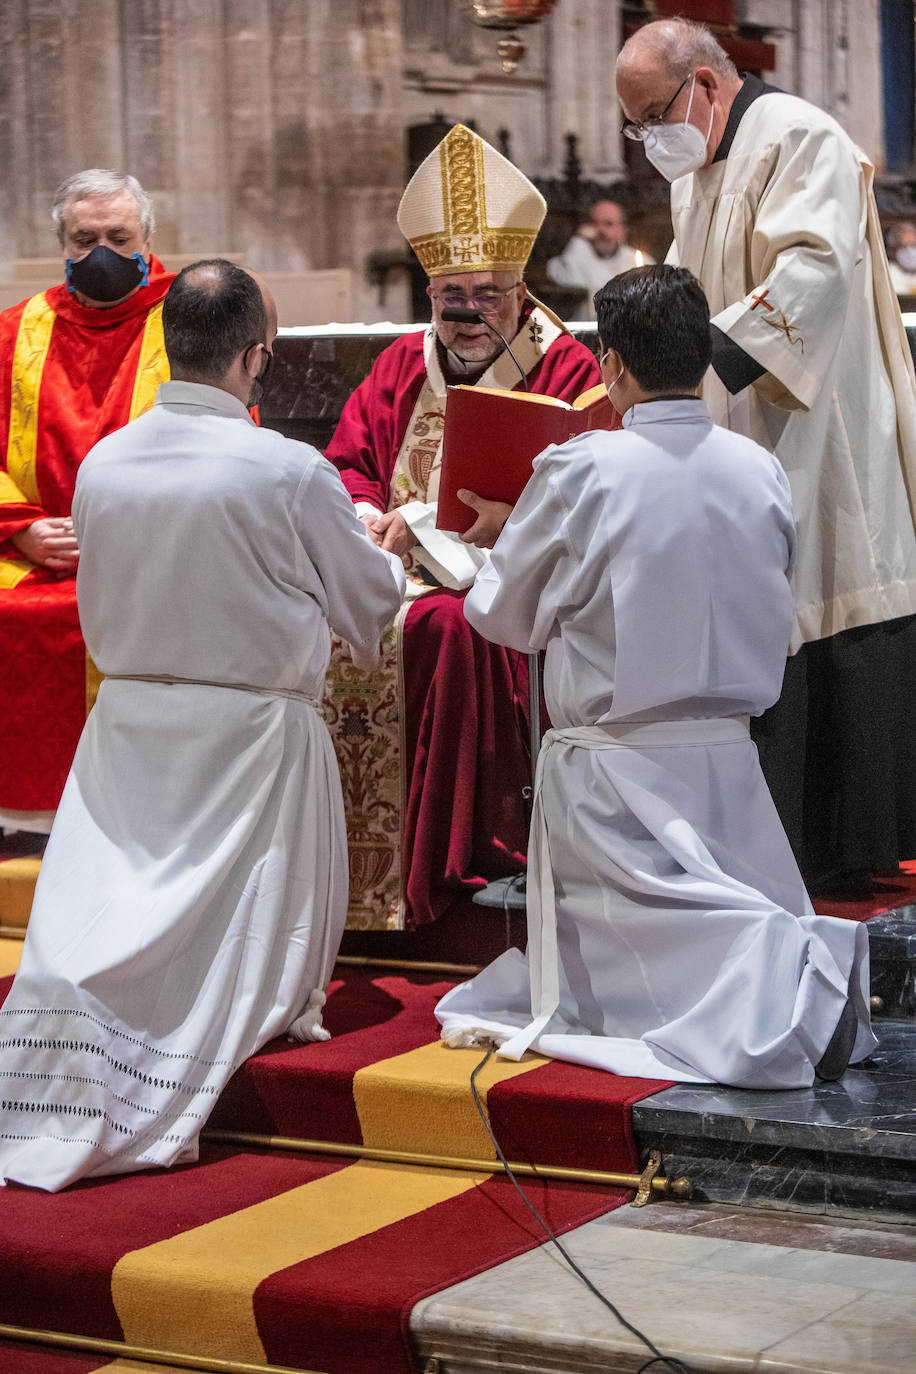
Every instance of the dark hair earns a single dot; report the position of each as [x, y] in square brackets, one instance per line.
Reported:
[657, 319]
[213, 309]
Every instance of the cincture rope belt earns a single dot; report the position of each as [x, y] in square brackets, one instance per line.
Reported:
[170, 681]
[543, 957]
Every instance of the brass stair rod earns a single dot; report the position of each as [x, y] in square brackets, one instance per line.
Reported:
[347, 960]
[93, 1345]
[654, 1183]
[414, 965]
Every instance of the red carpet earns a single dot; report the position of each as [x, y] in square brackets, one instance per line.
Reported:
[885, 892]
[308, 1261]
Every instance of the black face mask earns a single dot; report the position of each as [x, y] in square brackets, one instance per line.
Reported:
[257, 386]
[106, 276]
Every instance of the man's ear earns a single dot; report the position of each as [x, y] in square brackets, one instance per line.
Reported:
[253, 360]
[613, 363]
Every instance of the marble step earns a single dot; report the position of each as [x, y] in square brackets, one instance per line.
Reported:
[892, 946]
[845, 1149]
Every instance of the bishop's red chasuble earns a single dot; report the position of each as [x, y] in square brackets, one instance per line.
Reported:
[432, 747]
[69, 375]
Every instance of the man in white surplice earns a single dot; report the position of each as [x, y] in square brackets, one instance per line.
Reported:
[194, 890]
[669, 932]
[773, 211]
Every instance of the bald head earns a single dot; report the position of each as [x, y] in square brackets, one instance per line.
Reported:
[218, 320]
[676, 47]
[678, 68]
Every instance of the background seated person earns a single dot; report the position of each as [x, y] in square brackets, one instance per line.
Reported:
[597, 251]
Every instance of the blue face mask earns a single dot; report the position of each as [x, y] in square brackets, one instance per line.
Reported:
[103, 275]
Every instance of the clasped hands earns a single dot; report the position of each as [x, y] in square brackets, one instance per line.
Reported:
[392, 532]
[50, 543]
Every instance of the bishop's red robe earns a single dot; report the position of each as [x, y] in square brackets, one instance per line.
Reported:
[69, 375]
[464, 699]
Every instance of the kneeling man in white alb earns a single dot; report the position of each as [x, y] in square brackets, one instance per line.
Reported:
[669, 931]
[194, 889]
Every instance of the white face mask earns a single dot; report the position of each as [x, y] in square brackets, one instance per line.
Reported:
[906, 257]
[676, 149]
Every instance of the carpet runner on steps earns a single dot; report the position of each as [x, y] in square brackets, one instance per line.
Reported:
[308, 1261]
[383, 1081]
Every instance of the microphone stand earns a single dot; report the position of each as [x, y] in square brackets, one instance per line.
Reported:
[508, 894]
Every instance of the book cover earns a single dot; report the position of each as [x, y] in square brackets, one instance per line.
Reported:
[492, 437]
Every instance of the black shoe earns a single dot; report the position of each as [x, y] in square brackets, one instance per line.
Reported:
[835, 1059]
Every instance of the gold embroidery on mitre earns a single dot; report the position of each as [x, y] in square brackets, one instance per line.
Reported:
[451, 187]
[464, 207]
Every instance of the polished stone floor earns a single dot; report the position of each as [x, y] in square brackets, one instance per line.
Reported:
[839, 1149]
[724, 1290]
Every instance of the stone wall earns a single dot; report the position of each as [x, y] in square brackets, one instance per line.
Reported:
[276, 130]
[271, 130]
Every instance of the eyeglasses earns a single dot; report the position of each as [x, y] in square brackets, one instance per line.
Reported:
[638, 128]
[487, 299]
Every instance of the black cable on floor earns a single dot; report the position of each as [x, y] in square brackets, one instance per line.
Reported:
[670, 1361]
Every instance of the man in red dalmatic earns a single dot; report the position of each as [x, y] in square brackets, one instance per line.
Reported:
[431, 746]
[76, 362]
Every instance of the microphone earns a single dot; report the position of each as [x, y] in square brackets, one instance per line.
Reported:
[456, 314]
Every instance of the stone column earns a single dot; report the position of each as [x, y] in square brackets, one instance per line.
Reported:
[199, 118]
[14, 201]
[584, 38]
[250, 151]
[94, 88]
[147, 98]
[338, 136]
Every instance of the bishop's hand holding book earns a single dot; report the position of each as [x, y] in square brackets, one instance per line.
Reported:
[492, 438]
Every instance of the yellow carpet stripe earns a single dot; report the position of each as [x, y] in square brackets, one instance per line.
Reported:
[10, 954]
[18, 877]
[421, 1101]
[196, 1290]
[32, 343]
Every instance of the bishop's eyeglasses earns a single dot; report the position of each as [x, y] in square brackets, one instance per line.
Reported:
[487, 299]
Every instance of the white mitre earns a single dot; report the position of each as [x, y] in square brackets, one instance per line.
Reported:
[467, 209]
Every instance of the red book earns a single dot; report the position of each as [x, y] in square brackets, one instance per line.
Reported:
[492, 438]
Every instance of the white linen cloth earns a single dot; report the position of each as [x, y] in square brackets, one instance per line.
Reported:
[670, 934]
[784, 235]
[194, 889]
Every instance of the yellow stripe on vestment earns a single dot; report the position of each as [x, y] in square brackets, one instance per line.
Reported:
[421, 1101]
[153, 366]
[197, 1289]
[9, 492]
[12, 571]
[29, 355]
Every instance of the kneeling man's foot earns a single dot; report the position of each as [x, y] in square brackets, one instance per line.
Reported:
[835, 1059]
[307, 1027]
